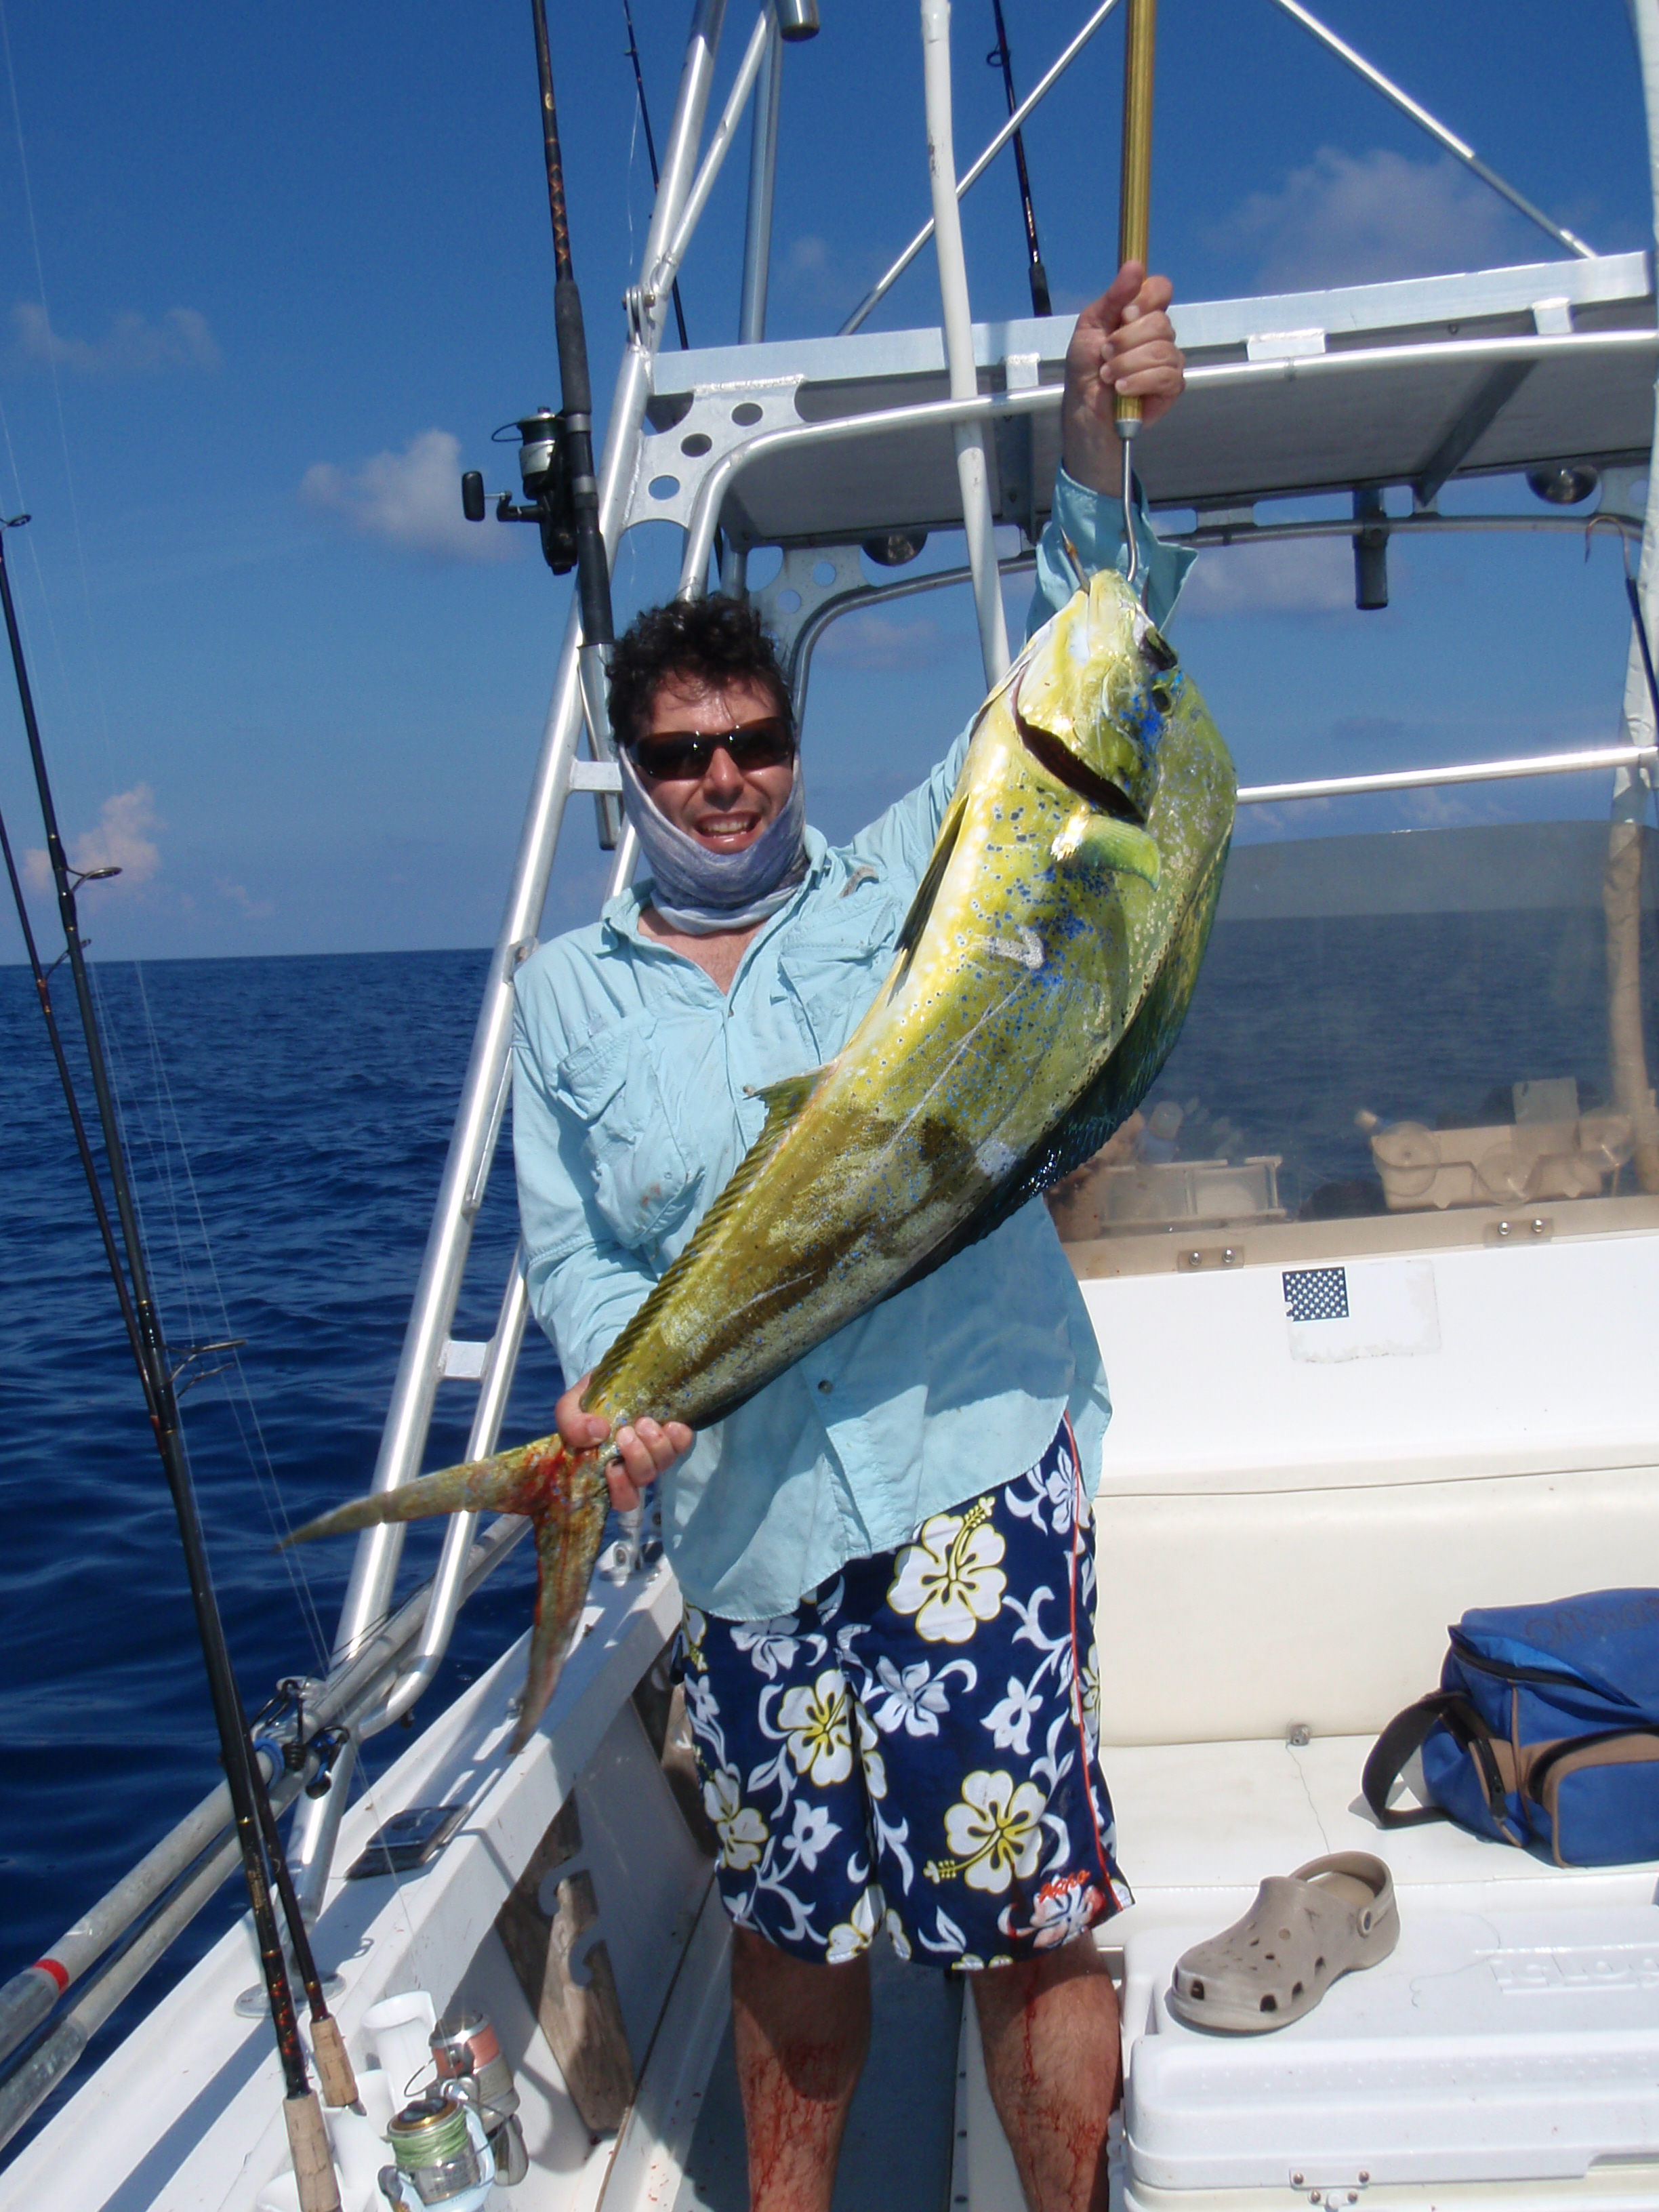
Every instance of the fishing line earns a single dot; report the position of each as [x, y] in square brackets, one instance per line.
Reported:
[201, 1324]
[650, 156]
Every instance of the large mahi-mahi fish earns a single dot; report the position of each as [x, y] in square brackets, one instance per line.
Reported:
[1040, 978]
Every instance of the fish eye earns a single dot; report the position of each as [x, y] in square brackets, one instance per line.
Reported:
[1161, 655]
[1162, 698]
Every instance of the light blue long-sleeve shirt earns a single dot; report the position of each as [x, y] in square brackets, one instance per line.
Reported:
[632, 1105]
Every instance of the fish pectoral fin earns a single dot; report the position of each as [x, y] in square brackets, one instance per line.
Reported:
[1107, 842]
[927, 889]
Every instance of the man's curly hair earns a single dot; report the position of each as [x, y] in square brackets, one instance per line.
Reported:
[707, 642]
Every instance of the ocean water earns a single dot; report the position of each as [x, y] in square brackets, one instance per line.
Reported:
[287, 1120]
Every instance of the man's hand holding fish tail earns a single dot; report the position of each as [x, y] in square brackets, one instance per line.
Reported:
[781, 1121]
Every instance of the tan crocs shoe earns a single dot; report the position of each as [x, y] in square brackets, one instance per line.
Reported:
[1303, 1930]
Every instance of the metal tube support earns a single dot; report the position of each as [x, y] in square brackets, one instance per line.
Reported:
[449, 1580]
[1633, 786]
[1045, 84]
[1437, 129]
[763, 181]
[477, 1122]
[973, 463]
[719, 145]
[1425, 779]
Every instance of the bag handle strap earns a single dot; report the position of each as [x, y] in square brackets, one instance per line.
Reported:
[1406, 1733]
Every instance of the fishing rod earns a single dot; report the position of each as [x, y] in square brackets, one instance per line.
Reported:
[255, 1828]
[651, 153]
[1133, 217]
[999, 57]
[576, 418]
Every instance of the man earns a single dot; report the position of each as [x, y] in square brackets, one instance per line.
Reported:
[883, 1552]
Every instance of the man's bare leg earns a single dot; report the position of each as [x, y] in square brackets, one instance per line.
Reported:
[802, 2032]
[1054, 2061]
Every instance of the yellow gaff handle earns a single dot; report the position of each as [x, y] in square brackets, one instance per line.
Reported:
[1135, 193]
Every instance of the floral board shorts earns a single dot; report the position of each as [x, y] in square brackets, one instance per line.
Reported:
[915, 1746]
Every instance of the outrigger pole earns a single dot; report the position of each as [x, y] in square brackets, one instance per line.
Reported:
[999, 57]
[1134, 215]
[255, 1829]
[592, 568]
[650, 153]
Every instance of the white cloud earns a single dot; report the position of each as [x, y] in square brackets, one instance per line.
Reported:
[1297, 575]
[1360, 219]
[120, 840]
[870, 639]
[411, 500]
[130, 347]
[237, 895]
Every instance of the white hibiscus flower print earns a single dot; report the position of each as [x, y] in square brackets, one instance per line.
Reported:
[1089, 1691]
[812, 1833]
[741, 1828]
[908, 1699]
[1064, 1907]
[949, 1577]
[1010, 1720]
[875, 1766]
[896, 1934]
[819, 1729]
[771, 1645]
[995, 1832]
[693, 1628]
[850, 1936]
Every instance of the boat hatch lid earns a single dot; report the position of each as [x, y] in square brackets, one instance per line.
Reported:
[1493, 2046]
[1410, 383]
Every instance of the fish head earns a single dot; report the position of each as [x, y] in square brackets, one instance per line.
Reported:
[1101, 683]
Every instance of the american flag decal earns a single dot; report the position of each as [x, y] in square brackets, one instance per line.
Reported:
[1315, 1294]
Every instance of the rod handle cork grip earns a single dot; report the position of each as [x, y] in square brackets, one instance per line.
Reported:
[313, 2162]
[335, 2076]
[1136, 188]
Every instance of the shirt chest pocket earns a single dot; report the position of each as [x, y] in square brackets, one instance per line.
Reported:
[643, 1181]
[833, 975]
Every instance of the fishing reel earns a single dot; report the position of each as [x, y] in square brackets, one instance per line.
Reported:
[545, 471]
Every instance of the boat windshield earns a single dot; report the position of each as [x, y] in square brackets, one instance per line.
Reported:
[1452, 1027]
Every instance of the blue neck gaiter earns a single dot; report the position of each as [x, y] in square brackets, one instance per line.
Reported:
[704, 892]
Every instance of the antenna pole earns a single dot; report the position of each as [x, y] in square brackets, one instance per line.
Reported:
[999, 57]
[1133, 218]
[309, 2142]
[592, 567]
[651, 153]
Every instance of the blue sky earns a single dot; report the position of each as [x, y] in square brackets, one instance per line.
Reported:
[278, 274]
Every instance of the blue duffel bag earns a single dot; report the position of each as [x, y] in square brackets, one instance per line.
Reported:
[1544, 1732]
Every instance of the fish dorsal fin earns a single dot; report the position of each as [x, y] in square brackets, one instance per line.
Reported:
[927, 889]
[783, 1102]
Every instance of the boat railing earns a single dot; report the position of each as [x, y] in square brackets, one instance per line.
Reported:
[96, 1964]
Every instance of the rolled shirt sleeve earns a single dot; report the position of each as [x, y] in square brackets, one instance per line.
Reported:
[1092, 522]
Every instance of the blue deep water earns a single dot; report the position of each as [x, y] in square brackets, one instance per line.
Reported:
[287, 1120]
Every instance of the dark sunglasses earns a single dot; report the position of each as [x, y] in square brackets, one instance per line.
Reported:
[683, 755]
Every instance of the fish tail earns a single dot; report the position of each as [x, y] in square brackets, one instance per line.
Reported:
[569, 1524]
[506, 1482]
